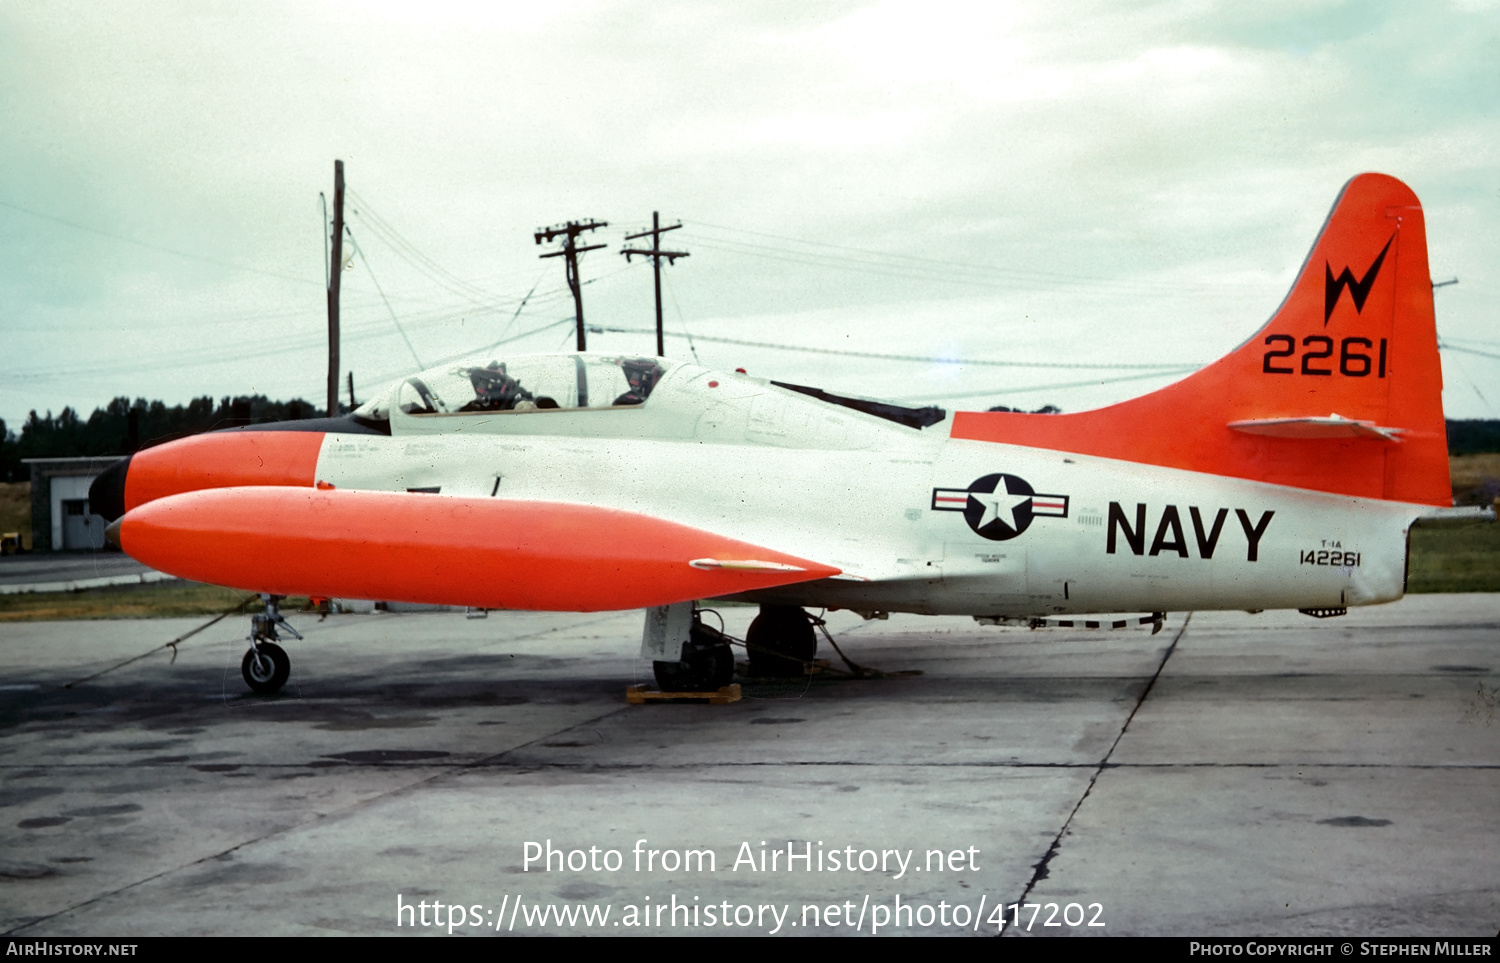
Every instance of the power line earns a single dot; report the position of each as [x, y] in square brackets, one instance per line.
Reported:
[389, 376]
[1056, 386]
[1454, 347]
[221, 351]
[925, 268]
[923, 359]
[1470, 379]
[1488, 344]
[676, 306]
[880, 255]
[423, 264]
[155, 247]
[394, 320]
[519, 308]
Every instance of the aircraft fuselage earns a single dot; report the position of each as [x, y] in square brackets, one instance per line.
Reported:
[917, 521]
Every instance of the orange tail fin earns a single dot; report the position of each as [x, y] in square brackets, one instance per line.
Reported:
[1341, 391]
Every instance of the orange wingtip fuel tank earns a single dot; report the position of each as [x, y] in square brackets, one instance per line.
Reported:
[1354, 342]
[222, 459]
[489, 553]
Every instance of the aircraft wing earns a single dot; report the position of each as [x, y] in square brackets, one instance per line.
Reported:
[481, 552]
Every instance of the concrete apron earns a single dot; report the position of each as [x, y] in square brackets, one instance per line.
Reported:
[1281, 775]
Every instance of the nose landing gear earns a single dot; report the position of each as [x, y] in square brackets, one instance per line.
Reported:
[266, 666]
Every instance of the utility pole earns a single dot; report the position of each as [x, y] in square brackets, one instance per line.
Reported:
[570, 250]
[656, 254]
[335, 269]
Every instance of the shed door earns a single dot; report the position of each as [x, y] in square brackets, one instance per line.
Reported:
[81, 530]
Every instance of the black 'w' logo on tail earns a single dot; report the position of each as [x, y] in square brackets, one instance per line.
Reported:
[1358, 290]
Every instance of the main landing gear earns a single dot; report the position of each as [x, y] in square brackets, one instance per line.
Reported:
[266, 666]
[707, 663]
[780, 643]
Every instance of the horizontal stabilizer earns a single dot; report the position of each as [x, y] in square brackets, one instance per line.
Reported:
[1334, 426]
[480, 552]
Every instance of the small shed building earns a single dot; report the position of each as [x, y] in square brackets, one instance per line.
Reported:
[60, 516]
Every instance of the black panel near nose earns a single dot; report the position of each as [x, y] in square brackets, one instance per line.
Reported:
[107, 493]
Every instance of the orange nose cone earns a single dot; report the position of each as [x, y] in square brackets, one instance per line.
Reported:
[222, 459]
[491, 553]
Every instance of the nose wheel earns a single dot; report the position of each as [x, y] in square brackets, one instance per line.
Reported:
[266, 666]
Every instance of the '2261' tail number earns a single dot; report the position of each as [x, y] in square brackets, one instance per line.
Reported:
[1353, 362]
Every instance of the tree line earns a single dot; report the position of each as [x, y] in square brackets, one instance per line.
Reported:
[123, 427]
[1473, 437]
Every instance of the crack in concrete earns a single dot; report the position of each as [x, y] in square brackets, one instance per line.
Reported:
[352, 807]
[1040, 872]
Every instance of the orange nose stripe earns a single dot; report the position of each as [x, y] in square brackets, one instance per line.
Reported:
[223, 460]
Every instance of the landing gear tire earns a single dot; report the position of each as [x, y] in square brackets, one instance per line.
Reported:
[707, 664]
[266, 667]
[780, 642]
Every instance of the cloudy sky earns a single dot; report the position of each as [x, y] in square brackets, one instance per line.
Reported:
[1042, 182]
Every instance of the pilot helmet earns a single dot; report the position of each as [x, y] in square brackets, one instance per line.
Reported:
[640, 372]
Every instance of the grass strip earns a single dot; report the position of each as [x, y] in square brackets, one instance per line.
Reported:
[1453, 557]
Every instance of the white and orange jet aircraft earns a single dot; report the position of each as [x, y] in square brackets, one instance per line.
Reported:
[1285, 475]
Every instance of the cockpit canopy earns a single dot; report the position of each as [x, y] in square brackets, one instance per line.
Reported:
[523, 383]
[572, 394]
